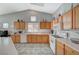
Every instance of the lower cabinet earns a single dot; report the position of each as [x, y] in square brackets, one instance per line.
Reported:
[70, 51]
[33, 38]
[63, 49]
[15, 38]
[60, 48]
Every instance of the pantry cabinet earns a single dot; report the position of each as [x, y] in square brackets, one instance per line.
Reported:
[15, 38]
[70, 51]
[45, 25]
[60, 48]
[35, 38]
[67, 20]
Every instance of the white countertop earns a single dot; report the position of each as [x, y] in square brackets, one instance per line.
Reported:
[7, 47]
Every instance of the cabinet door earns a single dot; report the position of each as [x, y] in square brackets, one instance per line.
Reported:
[17, 25]
[45, 38]
[48, 25]
[17, 38]
[67, 20]
[22, 25]
[74, 18]
[34, 39]
[39, 40]
[13, 38]
[59, 48]
[77, 17]
[42, 25]
[29, 38]
[70, 51]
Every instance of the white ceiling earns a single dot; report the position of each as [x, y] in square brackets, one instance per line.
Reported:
[6, 8]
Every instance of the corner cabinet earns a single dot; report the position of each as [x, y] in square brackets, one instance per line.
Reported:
[45, 25]
[67, 20]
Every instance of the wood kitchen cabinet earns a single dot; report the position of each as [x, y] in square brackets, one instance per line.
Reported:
[76, 17]
[20, 25]
[17, 25]
[33, 38]
[39, 39]
[70, 51]
[60, 48]
[45, 38]
[16, 38]
[13, 39]
[45, 25]
[67, 20]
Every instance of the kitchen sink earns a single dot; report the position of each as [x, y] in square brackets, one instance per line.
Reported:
[56, 36]
[75, 40]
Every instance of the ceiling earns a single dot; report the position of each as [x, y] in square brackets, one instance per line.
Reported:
[6, 8]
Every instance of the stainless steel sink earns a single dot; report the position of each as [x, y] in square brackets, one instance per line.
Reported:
[75, 40]
[56, 36]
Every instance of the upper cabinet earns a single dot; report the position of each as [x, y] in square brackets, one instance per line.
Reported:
[76, 17]
[67, 20]
[45, 25]
[20, 25]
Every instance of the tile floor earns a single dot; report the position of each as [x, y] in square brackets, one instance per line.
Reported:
[33, 49]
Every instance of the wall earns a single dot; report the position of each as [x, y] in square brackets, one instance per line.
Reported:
[65, 7]
[23, 15]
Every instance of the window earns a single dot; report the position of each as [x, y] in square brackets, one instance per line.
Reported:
[5, 25]
[33, 18]
[33, 27]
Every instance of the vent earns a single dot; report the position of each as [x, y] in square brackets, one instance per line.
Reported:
[38, 4]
